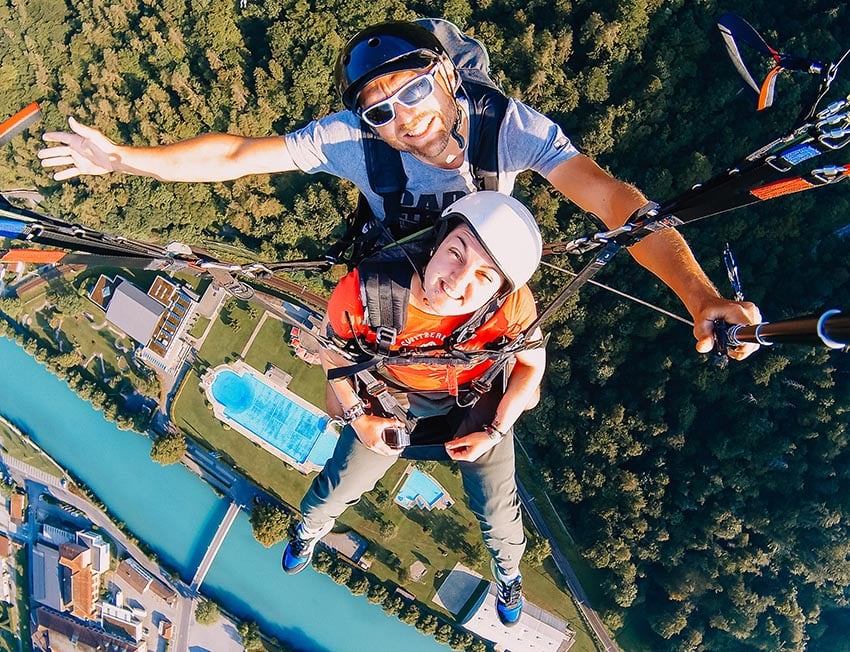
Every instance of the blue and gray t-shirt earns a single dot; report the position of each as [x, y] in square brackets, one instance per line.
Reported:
[528, 140]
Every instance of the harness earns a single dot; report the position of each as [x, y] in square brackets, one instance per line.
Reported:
[385, 290]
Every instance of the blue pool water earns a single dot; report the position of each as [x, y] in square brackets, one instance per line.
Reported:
[308, 610]
[419, 488]
[270, 415]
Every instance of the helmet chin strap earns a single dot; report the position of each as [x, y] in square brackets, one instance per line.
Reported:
[456, 135]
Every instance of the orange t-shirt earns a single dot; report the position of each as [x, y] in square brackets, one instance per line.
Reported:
[423, 329]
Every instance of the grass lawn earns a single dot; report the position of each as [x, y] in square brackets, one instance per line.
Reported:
[88, 337]
[192, 414]
[33, 299]
[271, 346]
[199, 327]
[19, 448]
[230, 333]
[438, 538]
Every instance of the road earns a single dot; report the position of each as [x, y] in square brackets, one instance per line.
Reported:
[566, 570]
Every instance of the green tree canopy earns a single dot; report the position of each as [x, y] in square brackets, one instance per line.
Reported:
[207, 612]
[168, 449]
[270, 523]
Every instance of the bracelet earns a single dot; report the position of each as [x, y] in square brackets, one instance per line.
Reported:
[493, 433]
[354, 412]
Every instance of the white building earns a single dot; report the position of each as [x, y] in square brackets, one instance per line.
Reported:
[100, 555]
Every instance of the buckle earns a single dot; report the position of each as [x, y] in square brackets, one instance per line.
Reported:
[385, 337]
[779, 163]
[376, 387]
[481, 387]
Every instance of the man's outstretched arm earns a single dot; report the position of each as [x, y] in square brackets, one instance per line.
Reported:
[209, 157]
[665, 253]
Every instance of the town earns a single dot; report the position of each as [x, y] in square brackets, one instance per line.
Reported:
[91, 582]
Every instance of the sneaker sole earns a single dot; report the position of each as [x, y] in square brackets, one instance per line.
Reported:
[295, 569]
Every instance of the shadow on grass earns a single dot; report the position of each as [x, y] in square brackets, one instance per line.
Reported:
[387, 557]
[444, 530]
[369, 510]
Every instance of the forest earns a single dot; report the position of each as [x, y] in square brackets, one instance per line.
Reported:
[714, 502]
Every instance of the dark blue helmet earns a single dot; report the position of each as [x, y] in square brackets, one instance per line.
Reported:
[380, 50]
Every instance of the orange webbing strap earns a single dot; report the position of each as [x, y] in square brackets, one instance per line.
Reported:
[781, 187]
[36, 256]
[18, 122]
[796, 184]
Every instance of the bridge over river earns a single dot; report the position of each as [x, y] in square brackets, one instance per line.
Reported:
[215, 544]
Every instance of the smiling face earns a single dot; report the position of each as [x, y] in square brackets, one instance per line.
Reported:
[459, 279]
[423, 130]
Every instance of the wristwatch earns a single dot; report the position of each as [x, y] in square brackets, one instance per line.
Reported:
[493, 433]
[355, 411]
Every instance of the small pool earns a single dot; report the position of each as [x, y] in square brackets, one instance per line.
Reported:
[273, 417]
[419, 489]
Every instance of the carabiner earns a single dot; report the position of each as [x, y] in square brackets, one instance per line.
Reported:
[835, 138]
[830, 174]
[832, 109]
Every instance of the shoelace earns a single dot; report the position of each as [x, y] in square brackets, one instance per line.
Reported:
[298, 546]
[510, 593]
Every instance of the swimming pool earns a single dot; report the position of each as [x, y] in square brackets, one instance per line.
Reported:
[261, 409]
[419, 489]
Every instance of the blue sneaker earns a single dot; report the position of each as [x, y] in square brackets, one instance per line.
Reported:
[299, 550]
[509, 600]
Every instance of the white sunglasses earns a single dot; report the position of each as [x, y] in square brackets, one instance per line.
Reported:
[412, 93]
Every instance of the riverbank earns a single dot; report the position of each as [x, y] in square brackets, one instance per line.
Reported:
[245, 577]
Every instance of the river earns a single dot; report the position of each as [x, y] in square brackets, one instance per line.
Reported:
[176, 514]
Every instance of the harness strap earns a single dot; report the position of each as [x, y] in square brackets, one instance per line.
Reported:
[467, 330]
[378, 390]
[823, 176]
[488, 108]
[385, 287]
[386, 172]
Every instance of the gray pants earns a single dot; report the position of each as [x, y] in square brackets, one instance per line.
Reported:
[489, 483]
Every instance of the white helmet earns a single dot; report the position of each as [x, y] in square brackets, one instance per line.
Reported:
[505, 228]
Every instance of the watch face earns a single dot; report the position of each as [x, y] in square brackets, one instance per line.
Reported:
[396, 437]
